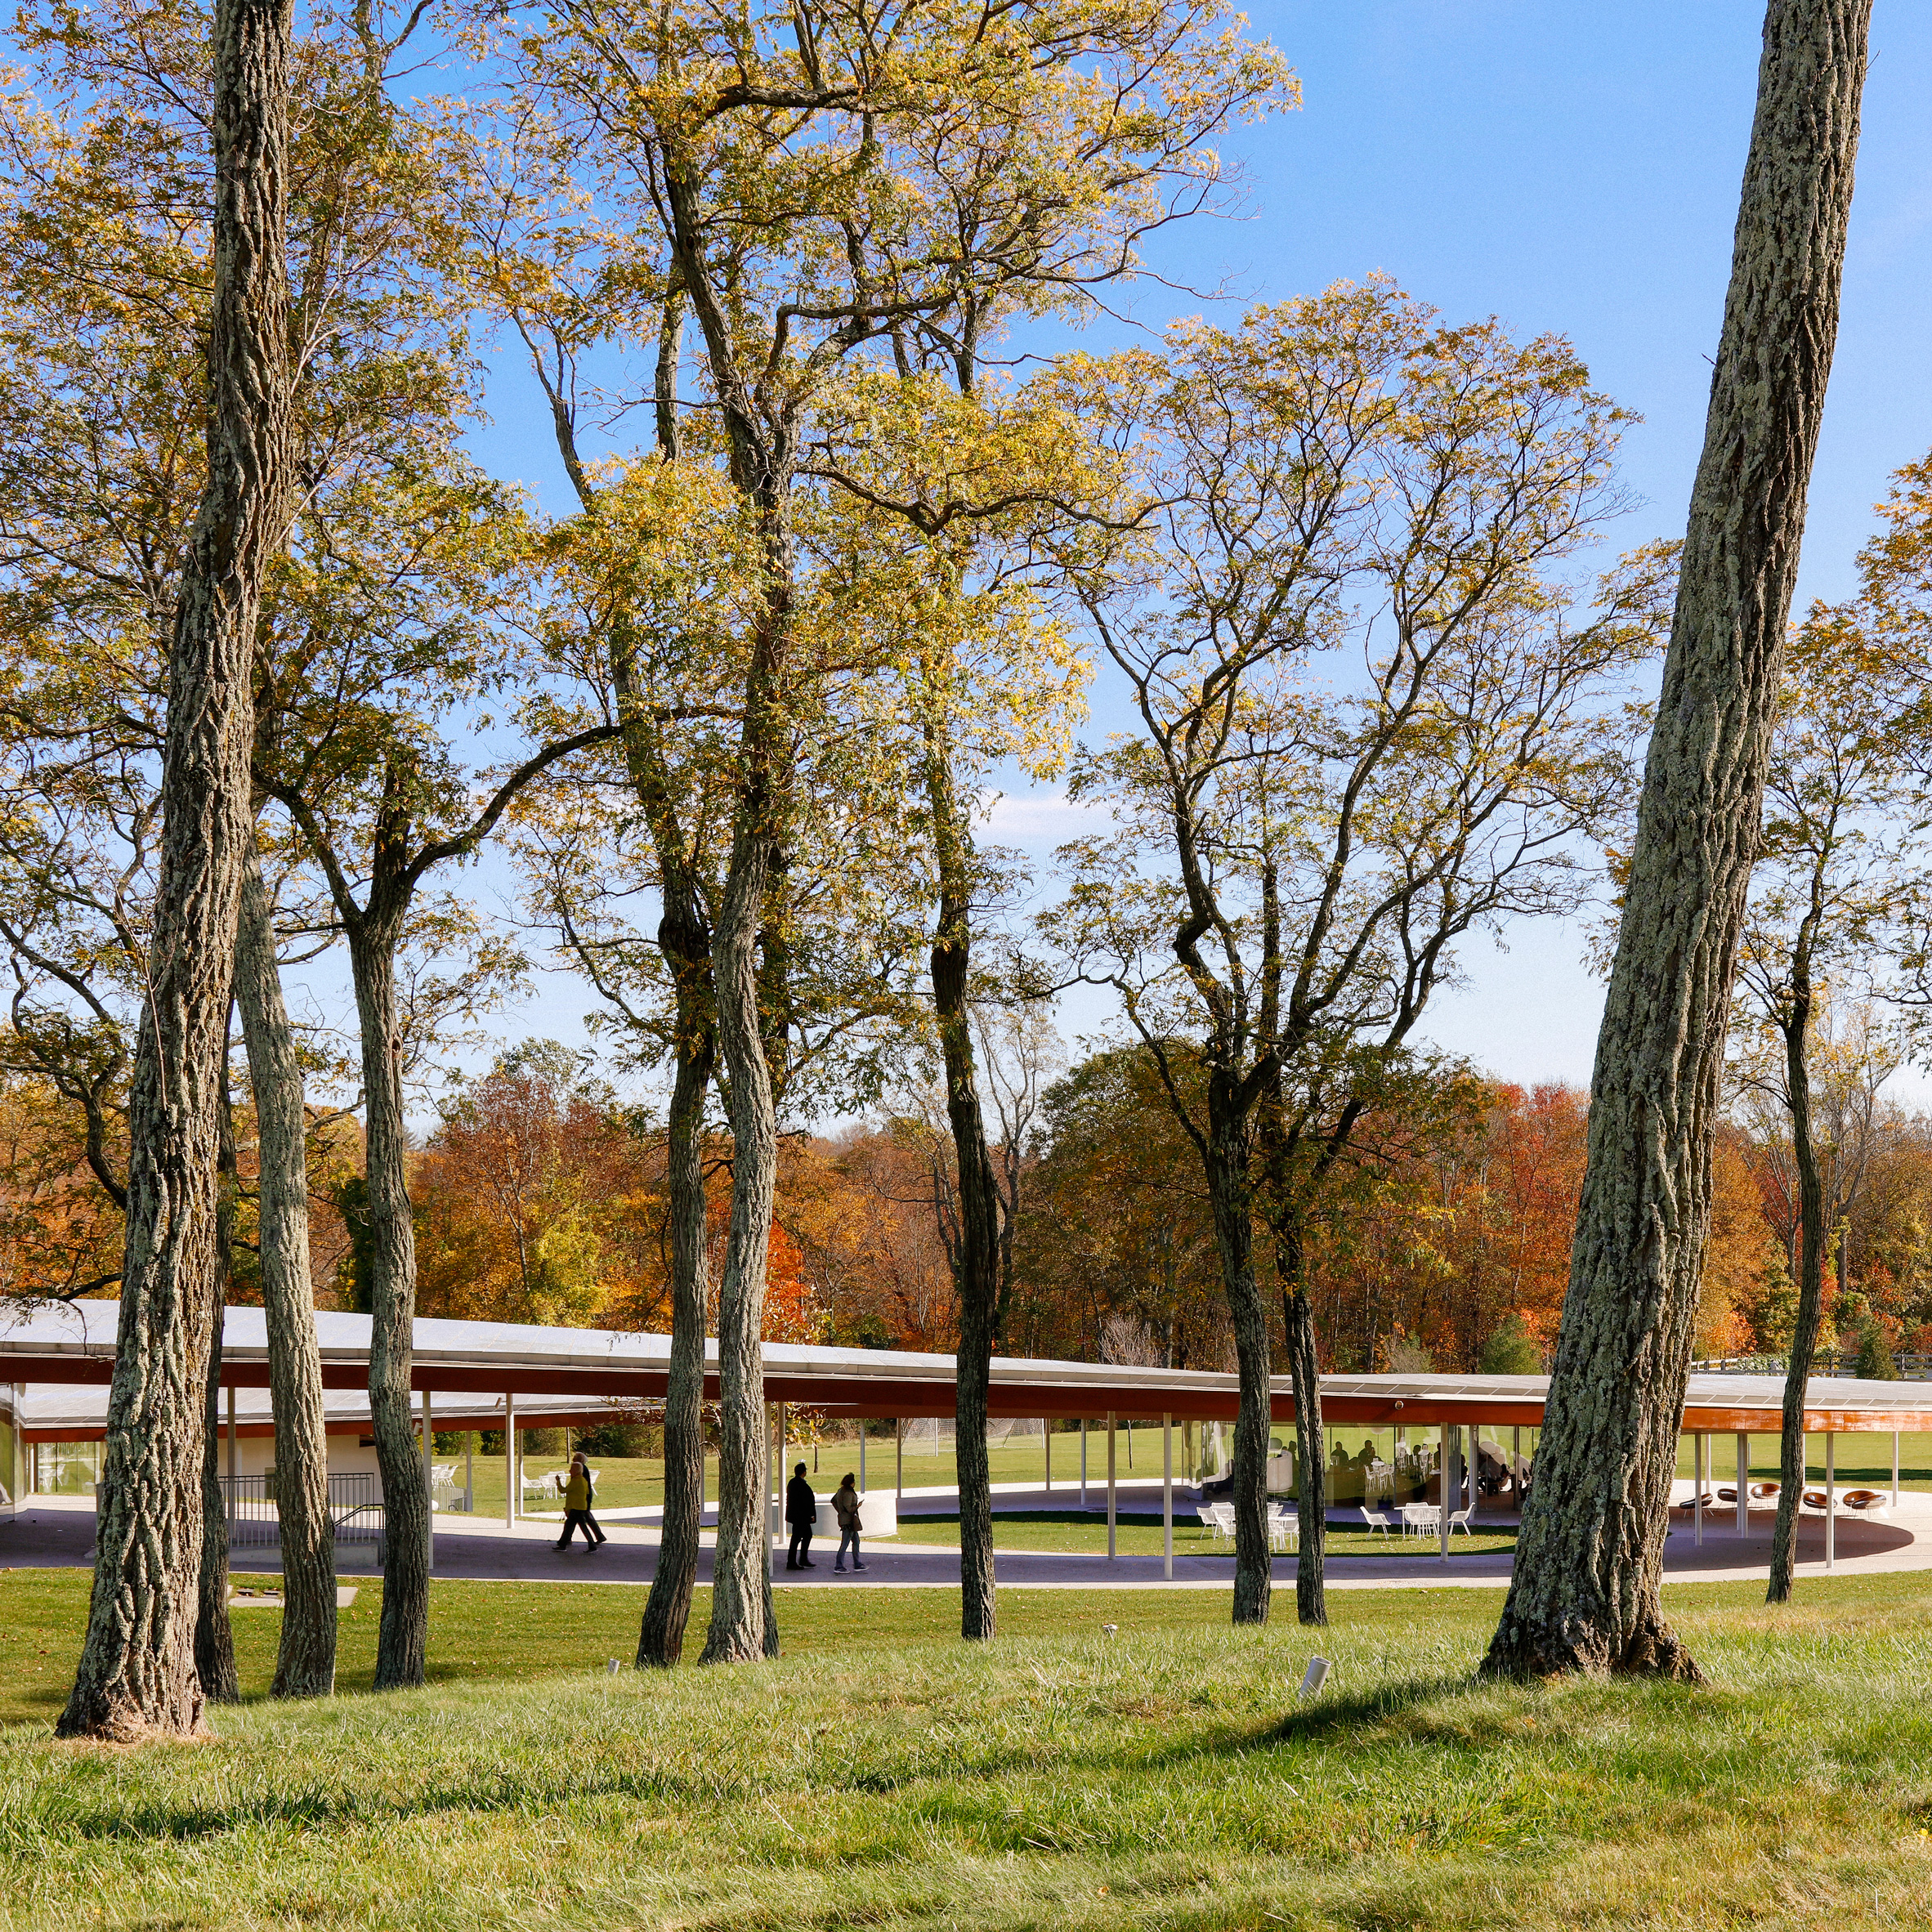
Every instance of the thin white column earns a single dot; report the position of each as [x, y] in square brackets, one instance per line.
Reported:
[1447, 1494]
[1516, 1467]
[1167, 1494]
[1831, 1500]
[1744, 1485]
[899, 1455]
[1110, 1485]
[1046, 1437]
[861, 1455]
[469, 1472]
[429, 1494]
[1082, 1462]
[774, 1472]
[1475, 1483]
[231, 1445]
[1894, 1468]
[1697, 1491]
[509, 1461]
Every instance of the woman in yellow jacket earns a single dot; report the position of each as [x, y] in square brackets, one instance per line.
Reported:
[845, 1506]
[577, 1502]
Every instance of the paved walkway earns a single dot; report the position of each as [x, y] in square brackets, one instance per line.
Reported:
[56, 1531]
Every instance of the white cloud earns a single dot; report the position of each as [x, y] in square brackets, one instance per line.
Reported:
[1043, 816]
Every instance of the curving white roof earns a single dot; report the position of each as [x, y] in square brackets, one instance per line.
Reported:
[471, 1364]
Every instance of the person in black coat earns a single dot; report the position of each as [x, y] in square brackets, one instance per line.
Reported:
[801, 1514]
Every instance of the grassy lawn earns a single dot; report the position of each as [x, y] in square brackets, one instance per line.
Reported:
[1139, 1536]
[1866, 1459]
[880, 1773]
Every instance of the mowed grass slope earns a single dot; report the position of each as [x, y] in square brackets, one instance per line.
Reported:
[1164, 1777]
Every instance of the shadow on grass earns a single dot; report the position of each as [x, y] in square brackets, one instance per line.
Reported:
[81, 1811]
[53, 1700]
[1329, 1716]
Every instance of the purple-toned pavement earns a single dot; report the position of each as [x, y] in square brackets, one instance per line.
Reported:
[57, 1533]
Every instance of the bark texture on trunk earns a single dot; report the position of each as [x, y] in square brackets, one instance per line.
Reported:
[977, 1270]
[1811, 1293]
[1311, 1593]
[741, 1627]
[667, 1609]
[136, 1676]
[1231, 1196]
[214, 1638]
[1584, 1594]
[403, 1638]
[305, 1662]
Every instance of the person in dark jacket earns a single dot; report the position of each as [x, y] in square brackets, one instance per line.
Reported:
[578, 1497]
[801, 1514]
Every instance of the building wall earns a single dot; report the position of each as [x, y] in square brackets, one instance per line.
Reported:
[255, 1456]
[9, 1453]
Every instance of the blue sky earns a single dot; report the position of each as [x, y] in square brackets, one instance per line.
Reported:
[1569, 167]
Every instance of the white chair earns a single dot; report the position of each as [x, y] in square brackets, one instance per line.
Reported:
[1284, 1529]
[1421, 1519]
[1376, 1519]
[1459, 1519]
[1222, 1516]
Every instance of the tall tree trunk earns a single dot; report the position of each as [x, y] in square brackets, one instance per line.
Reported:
[1311, 1594]
[977, 1271]
[686, 942]
[667, 1609]
[403, 1638]
[741, 1627]
[214, 1638]
[1230, 1197]
[136, 1676]
[1811, 1292]
[305, 1664]
[1584, 1594]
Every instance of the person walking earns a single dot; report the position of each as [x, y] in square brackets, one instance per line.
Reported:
[801, 1514]
[845, 1505]
[578, 1497]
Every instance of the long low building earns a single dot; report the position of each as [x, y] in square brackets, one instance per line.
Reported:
[56, 1360]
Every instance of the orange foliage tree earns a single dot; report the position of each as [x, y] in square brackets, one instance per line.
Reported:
[536, 1200]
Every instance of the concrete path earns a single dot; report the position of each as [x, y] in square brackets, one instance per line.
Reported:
[56, 1531]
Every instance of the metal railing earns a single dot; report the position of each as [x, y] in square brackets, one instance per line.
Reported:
[1827, 1362]
[355, 1512]
[255, 1521]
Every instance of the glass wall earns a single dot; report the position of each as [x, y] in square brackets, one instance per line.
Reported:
[65, 1468]
[1385, 1466]
[9, 1462]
